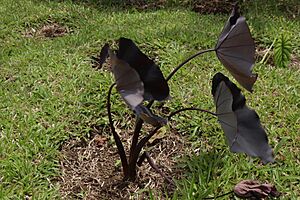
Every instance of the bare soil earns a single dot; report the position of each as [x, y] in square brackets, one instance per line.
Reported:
[200, 6]
[90, 169]
[213, 7]
[49, 30]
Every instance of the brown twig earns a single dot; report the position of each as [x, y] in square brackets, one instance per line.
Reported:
[154, 166]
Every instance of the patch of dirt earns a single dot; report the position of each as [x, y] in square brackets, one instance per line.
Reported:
[50, 30]
[295, 62]
[260, 53]
[89, 169]
[144, 5]
[200, 6]
[105, 66]
[213, 7]
[290, 7]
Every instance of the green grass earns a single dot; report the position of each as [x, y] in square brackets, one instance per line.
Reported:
[49, 92]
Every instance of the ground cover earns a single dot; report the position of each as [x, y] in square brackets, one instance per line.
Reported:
[53, 102]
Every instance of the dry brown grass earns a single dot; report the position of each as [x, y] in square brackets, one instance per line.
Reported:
[49, 30]
[89, 169]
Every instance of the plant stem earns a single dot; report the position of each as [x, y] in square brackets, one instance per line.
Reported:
[136, 146]
[117, 139]
[146, 138]
[141, 159]
[134, 141]
[186, 61]
[135, 137]
[138, 149]
[154, 166]
[192, 108]
[139, 122]
[135, 154]
[136, 134]
[219, 196]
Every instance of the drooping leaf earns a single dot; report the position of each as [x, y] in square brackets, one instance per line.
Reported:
[155, 85]
[100, 59]
[254, 189]
[282, 51]
[235, 49]
[131, 88]
[240, 124]
[128, 81]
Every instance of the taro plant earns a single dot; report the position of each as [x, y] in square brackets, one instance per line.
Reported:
[282, 50]
[138, 80]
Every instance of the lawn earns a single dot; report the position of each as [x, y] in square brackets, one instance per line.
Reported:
[50, 94]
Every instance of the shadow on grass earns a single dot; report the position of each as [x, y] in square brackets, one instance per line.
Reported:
[284, 8]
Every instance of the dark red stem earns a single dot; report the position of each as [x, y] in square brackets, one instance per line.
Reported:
[145, 139]
[186, 61]
[139, 122]
[117, 139]
[136, 147]
[192, 108]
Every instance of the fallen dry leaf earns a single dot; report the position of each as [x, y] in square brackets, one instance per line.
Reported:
[254, 189]
[100, 140]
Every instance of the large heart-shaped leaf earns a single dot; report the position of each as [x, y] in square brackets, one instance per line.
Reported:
[235, 49]
[131, 88]
[241, 125]
[155, 85]
[128, 81]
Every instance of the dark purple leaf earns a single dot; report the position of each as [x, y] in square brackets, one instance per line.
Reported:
[241, 125]
[129, 84]
[131, 88]
[155, 85]
[100, 59]
[235, 49]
